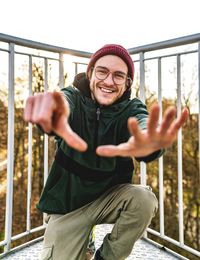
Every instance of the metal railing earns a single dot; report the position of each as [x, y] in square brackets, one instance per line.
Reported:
[142, 50]
[141, 55]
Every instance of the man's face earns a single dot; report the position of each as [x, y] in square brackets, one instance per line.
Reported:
[106, 91]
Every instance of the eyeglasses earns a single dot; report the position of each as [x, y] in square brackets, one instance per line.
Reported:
[118, 77]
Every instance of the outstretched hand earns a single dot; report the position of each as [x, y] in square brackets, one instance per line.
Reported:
[155, 137]
[50, 110]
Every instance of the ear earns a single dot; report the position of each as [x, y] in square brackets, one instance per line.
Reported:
[89, 74]
[129, 83]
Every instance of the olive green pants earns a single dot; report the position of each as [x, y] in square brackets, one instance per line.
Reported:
[129, 207]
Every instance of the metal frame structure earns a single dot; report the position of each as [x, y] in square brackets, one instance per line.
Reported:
[141, 51]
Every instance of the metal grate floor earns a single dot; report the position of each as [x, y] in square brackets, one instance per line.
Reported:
[143, 249]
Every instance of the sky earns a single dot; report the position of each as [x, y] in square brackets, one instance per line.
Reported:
[89, 24]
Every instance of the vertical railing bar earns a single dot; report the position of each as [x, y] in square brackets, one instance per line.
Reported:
[199, 105]
[30, 137]
[180, 172]
[10, 162]
[76, 68]
[45, 135]
[160, 160]
[61, 70]
[46, 145]
[142, 97]
[142, 77]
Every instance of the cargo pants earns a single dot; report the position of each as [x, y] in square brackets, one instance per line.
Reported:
[129, 207]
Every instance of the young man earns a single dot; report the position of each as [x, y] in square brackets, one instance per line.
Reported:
[99, 130]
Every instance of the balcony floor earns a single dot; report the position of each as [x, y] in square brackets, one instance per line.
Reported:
[143, 249]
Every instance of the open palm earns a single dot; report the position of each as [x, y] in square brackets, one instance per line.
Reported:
[155, 137]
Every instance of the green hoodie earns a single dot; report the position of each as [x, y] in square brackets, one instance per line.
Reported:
[77, 178]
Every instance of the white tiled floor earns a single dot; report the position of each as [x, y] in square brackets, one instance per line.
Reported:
[143, 250]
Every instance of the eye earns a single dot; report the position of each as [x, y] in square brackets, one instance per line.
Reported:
[119, 76]
[102, 71]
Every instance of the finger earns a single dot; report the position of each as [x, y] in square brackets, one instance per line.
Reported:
[42, 111]
[36, 108]
[28, 109]
[167, 119]
[45, 112]
[134, 128]
[112, 150]
[48, 108]
[61, 110]
[71, 138]
[179, 122]
[153, 119]
[62, 106]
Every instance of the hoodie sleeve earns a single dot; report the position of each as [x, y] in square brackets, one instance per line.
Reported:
[151, 157]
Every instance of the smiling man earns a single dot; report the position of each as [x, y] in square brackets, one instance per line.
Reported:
[102, 78]
[99, 130]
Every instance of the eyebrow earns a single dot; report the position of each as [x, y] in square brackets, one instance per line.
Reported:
[118, 71]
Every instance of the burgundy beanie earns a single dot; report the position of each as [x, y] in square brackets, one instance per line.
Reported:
[113, 49]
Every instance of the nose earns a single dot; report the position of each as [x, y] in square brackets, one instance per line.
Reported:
[109, 79]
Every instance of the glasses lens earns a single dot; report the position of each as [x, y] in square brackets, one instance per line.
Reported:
[119, 78]
[101, 73]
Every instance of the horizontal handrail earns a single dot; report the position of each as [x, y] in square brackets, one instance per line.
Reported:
[166, 44]
[143, 48]
[42, 46]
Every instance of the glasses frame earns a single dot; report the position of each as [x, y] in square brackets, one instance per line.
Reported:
[127, 78]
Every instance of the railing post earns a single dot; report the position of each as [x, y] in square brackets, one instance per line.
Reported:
[76, 68]
[160, 161]
[30, 136]
[10, 162]
[46, 143]
[180, 172]
[61, 71]
[142, 97]
[198, 75]
[45, 135]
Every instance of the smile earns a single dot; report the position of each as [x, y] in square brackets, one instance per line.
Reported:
[106, 90]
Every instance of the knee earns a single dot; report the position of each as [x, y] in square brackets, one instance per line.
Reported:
[144, 200]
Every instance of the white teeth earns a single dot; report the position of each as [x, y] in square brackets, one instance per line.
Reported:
[106, 90]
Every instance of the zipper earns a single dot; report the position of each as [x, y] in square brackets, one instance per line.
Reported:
[98, 112]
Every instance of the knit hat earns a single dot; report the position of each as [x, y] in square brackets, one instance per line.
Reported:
[113, 49]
